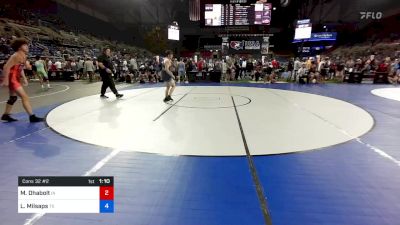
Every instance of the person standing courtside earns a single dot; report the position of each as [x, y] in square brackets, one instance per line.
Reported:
[168, 76]
[88, 69]
[105, 70]
[41, 71]
[181, 71]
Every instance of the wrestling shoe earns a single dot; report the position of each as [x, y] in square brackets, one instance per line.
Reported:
[8, 118]
[35, 119]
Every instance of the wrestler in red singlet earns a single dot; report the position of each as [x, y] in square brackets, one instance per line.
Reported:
[15, 77]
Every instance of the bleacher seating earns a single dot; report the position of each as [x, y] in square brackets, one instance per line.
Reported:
[53, 41]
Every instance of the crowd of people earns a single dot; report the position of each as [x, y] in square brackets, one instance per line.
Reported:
[131, 68]
[307, 70]
[148, 70]
[320, 69]
[82, 68]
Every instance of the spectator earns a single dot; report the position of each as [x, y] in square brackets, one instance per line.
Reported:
[80, 66]
[73, 66]
[269, 74]
[237, 70]
[58, 65]
[302, 74]
[42, 72]
[181, 71]
[217, 70]
[312, 73]
[200, 67]
[384, 67]
[257, 74]
[89, 69]
[323, 69]
[297, 66]
[340, 70]
[249, 68]
[133, 65]
[49, 64]
[125, 69]
[394, 77]
[275, 64]
[224, 69]
[290, 68]
[230, 70]
[243, 66]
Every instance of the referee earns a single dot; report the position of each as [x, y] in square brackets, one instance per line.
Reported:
[105, 69]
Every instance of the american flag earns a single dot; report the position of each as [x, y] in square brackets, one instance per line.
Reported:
[194, 10]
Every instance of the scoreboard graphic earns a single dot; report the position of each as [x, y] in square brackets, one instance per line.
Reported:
[237, 14]
[65, 194]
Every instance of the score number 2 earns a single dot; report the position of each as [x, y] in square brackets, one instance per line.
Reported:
[107, 199]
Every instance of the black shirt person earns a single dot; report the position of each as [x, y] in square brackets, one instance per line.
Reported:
[105, 69]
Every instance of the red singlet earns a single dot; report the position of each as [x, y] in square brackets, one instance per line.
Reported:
[14, 78]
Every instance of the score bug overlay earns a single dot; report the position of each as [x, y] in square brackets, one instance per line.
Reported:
[65, 194]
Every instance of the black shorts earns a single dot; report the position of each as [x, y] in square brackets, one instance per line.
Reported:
[165, 76]
[323, 73]
[28, 73]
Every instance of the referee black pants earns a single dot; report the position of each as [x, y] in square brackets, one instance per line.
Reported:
[108, 82]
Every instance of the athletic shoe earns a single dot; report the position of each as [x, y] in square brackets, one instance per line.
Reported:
[186, 82]
[35, 119]
[103, 96]
[169, 98]
[166, 99]
[49, 87]
[119, 95]
[8, 118]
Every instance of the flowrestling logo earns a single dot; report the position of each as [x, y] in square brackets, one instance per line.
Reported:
[371, 15]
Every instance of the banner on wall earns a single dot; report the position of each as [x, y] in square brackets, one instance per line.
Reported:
[321, 36]
[225, 46]
[245, 45]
